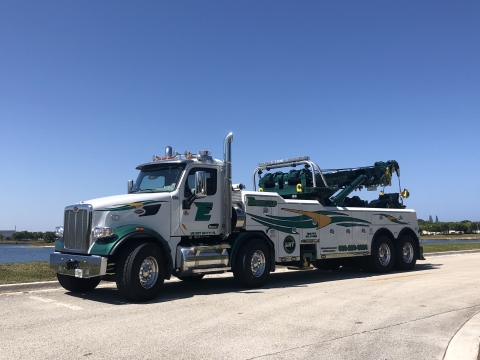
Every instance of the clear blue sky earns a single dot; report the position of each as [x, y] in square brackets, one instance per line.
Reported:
[90, 89]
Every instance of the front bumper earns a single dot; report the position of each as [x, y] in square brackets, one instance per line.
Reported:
[82, 266]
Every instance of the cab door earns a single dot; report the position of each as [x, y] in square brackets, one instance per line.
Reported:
[204, 217]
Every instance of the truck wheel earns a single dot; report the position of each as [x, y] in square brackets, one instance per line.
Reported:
[193, 278]
[252, 266]
[327, 264]
[405, 253]
[139, 272]
[74, 284]
[383, 255]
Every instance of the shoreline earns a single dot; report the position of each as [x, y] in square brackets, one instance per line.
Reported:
[427, 237]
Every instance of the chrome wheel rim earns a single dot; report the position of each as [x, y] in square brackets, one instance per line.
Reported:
[148, 272]
[258, 263]
[407, 253]
[384, 254]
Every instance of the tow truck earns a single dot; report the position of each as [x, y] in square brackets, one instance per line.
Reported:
[184, 217]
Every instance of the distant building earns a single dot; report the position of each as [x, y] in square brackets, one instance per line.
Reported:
[7, 233]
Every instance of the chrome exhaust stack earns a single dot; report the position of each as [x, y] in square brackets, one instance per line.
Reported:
[227, 183]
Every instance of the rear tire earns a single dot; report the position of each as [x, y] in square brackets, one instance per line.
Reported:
[406, 253]
[252, 266]
[75, 284]
[140, 272]
[383, 255]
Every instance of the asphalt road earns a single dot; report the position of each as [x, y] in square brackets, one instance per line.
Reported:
[348, 314]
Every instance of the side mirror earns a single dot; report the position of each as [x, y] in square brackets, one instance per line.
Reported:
[200, 184]
[130, 186]
[200, 189]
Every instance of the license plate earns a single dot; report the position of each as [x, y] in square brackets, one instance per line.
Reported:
[78, 273]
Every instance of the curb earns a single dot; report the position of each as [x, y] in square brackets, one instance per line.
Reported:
[464, 344]
[29, 286]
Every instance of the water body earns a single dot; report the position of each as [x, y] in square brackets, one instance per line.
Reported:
[24, 253]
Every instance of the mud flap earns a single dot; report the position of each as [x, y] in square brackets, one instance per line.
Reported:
[420, 253]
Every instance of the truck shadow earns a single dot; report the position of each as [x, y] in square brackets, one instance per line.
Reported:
[212, 285]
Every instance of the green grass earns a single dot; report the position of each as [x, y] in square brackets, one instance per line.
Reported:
[16, 273]
[429, 248]
[27, 242]
[451, 237]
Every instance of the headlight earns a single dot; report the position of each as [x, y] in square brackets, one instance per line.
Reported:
[59, 231]
[101, 232]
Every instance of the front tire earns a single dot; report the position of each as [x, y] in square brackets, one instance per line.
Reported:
[140, 272]
[383, 255]
[252, 266]
[406, 253]
[75, 284]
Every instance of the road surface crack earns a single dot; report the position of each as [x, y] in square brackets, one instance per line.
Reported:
[365, 332]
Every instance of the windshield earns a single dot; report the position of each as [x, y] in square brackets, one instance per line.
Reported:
[163, 178]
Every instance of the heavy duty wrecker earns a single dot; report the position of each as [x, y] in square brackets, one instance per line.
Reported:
[184, 217]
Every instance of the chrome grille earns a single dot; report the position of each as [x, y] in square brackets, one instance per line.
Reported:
[76, 235]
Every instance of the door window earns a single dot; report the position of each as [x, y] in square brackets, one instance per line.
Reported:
[211, 181]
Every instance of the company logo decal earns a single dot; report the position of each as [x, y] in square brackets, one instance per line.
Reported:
[289, 244]
[254, 202]
[308, 220]
[203, 211]
[75, 209]
[139, 211]
[131, 206]
[392, 219]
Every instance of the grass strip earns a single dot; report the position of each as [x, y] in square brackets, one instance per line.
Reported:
[16, 273]
[429, 248]
[451, 237]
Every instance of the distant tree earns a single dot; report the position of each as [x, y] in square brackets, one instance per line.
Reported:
[469, 226]
[1, 236]
[436, 219]
[22, 235]
[37, 235]
[430, 220]
[476, 226]
[461, 226]
[18, 235]
[49, 236]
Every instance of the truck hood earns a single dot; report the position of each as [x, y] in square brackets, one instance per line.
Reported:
[127, 201]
